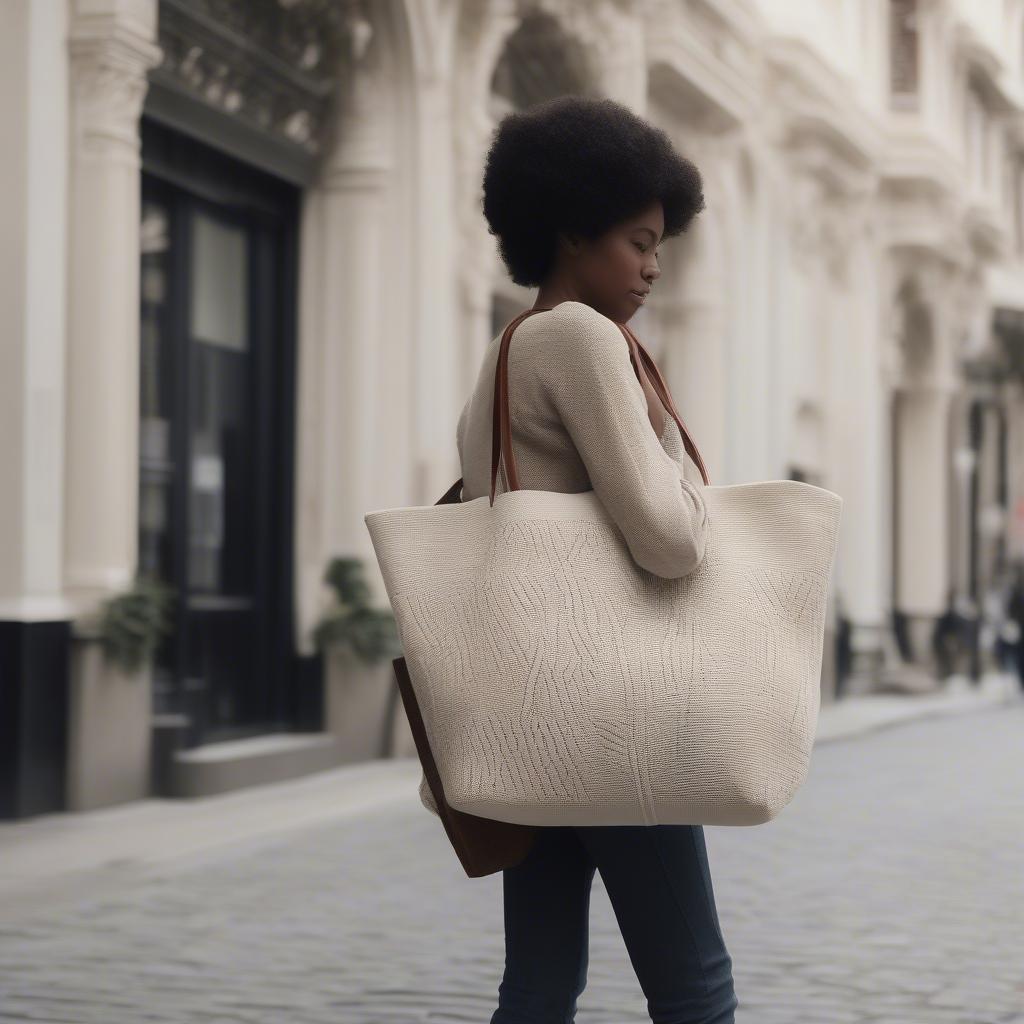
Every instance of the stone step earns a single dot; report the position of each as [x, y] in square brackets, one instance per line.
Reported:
[257, 760]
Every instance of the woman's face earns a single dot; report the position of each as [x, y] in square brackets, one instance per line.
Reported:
[609, 271]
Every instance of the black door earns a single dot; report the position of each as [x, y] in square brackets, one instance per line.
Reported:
[216, 430]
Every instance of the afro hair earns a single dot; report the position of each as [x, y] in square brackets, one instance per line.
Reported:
[578, 164]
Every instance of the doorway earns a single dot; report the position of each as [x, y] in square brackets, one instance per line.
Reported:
[216, 466]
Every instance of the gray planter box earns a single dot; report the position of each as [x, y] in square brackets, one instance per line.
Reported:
[109, 730]
[360, 705]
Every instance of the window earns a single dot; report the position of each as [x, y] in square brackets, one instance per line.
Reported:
[904, 51]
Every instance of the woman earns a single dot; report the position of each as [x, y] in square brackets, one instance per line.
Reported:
[580, 192]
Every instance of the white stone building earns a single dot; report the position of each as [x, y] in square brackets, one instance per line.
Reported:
[248, 285]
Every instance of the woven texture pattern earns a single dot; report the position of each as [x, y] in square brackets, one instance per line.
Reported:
[560, 683]
[646, 651]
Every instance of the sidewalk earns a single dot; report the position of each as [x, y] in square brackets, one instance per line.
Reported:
[70, 850]
[855, 715]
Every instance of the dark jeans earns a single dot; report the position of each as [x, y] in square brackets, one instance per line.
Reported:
[659, 884]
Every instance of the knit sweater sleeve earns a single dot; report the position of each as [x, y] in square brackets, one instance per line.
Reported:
[587, 372]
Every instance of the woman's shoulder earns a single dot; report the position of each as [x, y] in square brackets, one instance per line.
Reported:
[572, 332]
[575, 315]
[568, 354]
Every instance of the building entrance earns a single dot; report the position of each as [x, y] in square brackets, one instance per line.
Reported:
[218, 271]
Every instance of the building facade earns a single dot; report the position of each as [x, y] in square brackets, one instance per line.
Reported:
[249, 284]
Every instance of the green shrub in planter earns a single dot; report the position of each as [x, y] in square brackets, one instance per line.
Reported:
[369, 633]
[132, 624]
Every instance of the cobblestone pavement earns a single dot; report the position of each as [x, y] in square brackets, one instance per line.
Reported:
[890, 890]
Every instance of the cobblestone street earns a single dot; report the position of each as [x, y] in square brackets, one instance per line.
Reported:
[891, 890]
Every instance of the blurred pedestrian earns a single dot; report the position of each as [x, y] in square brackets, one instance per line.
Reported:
[844, 645]
[1015, 615]
[949, 640]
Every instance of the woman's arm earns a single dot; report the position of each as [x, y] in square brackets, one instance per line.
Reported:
[586, 370]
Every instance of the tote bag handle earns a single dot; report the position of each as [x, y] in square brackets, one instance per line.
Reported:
[501, 433]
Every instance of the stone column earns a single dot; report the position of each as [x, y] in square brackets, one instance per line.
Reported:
[351, 375]
[1015, 468]
[111, 47]
[434, 345]
[33, 181]
[33, 615]
[923, 503]
[923, 332]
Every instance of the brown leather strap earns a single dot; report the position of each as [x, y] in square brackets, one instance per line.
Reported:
[659, 385]
[452, 495]
[483, 845]
[501, 428]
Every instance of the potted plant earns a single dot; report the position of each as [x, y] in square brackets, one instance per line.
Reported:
[133, 623]
[358, 643]
[110, 703]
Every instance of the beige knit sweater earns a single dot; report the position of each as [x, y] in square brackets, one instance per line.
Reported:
[579, 421]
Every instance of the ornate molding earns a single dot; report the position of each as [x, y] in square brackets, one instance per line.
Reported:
[916, 218]
[108, 103]
[272, 64]
[109, 60]
[726, 39]
[927, 288]
[824, 224]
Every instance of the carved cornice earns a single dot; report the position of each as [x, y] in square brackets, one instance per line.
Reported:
[829, 152]
[271, 64]
[986, 66]
[701, 68]
[810, 101]
[914, 161]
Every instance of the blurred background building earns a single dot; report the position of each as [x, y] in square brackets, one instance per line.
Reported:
[247, 285]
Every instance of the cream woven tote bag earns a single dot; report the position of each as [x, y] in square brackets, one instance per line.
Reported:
[589, 691]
